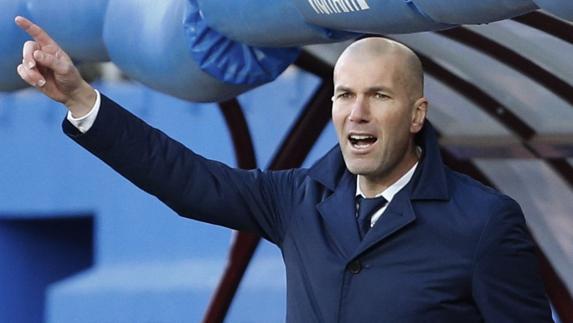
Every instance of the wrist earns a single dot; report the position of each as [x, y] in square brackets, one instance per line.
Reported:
[81, 101]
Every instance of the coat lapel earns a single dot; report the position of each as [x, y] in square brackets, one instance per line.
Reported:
[398, 214]
[338, 212]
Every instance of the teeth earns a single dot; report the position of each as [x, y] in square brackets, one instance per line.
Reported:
[361, 137]
[361, 141]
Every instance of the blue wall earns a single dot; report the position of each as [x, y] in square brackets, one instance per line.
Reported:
[143, 263]
[35, 253]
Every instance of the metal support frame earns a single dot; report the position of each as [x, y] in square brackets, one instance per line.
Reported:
[548, 24]
[496, 109]
[513, 59]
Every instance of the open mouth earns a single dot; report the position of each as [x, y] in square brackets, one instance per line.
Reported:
[361, 141]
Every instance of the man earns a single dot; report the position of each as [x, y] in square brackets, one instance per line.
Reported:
[436, 247]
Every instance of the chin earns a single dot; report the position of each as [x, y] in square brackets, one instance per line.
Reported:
[360, 169]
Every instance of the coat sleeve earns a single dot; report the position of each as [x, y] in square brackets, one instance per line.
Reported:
[191, 185]
[507, 286]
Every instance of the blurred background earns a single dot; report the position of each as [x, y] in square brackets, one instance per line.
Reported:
[78, 243]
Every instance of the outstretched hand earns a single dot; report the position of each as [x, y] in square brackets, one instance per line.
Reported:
[47, 67]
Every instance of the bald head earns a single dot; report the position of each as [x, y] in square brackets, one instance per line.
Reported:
[378, 107]
[409, 70]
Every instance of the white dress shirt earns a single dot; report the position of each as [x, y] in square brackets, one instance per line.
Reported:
[388, 193]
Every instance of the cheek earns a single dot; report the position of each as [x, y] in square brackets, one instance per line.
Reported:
[395, 122]
[336, 112]
[395, 136]
[396, 142]
[338, 120]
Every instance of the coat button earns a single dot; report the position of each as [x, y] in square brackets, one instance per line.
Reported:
[355, 267]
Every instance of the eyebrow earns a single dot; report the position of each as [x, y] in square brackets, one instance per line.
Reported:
[341, 88]
[372, 89]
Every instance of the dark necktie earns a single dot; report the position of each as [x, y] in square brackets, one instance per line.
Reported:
[366, 208]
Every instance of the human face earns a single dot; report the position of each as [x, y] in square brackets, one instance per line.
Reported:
[374, 115]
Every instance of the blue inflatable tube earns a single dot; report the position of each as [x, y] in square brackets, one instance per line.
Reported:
[164, 45]
[146, 40]
[76, 25]
[266, 23]
[11, 45]
[211, 50]
[368, 16]
[407, 16]
[231, 61]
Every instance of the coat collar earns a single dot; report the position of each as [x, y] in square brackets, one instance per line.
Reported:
[429, 180]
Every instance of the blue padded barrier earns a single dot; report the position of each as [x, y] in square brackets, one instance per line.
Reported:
[76, 25]
[368, 16]
[406, 16]
[11, 45]
[275, 23]
[211, 50]
[231, 61]
[560, 8]
[163, 45]
[147, 41]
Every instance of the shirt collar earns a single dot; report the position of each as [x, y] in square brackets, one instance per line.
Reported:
[389, 193]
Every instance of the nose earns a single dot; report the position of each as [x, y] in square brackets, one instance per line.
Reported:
[360, 111]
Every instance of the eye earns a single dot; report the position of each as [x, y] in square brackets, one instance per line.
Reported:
[381, 96]
[342, 96]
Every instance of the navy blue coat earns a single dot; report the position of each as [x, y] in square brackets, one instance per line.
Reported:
[447, 249]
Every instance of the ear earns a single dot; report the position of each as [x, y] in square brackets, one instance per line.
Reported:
[419, 115]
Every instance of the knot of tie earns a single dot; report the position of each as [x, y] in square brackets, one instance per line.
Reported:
[366, 208]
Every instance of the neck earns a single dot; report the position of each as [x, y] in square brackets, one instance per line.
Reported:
[373, 185]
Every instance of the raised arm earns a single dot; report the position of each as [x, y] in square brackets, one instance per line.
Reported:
[47, 67]
[191, 185]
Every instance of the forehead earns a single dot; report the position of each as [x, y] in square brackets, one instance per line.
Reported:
[367, 71]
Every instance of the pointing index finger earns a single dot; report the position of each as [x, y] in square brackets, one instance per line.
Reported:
[37, 33]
